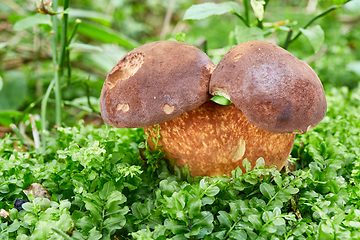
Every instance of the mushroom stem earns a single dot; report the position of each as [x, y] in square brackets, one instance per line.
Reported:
[215, 139]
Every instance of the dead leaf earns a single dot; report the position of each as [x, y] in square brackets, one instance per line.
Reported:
[37, 190]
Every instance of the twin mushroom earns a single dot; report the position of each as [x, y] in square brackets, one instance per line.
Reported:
[274, 96]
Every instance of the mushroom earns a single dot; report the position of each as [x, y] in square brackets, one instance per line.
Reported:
[275, 90]
[274, 95]
[154, 83]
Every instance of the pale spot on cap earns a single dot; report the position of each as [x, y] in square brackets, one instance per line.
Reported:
[238, 56]
[124, 107]
[168, 109]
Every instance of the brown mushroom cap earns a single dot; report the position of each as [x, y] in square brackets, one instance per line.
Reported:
[154, 83]
[276, 91]
[215, 139]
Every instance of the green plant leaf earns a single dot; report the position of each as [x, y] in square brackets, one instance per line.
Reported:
[221, 100]
[212, 191]
[194, 205]
[115, 197]
[107, 190]
[106, 35]
[113, 223]
[224, 219]
[204, 10]
[258, 7]
[247, 165]
[238, 235]
[94, 234]
[13, 227]
[82, 47]
[30, 21]
[315, 35]
[267, 190]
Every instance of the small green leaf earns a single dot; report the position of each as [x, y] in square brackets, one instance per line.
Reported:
[291, 190]
[212, 191]
[327, 228]
[203, 184]
[258, 7]
[221, 100]
[115, 197]
[32, 21]
[14, 226]
[300, 229]
[247, 165]
[175, 227]
[279, 221]
[256, 221]
[107, 190]
[316, 36]
[224, 219]
[4, 188]
[267, 190]
[204, 10]
[260, 163]
[194, 205]
[94, 234]
[113, 223]
[93, 208]
[238, 235]
[278, 180]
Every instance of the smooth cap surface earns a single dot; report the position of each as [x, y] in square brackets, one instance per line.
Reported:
[276, 91]
[155, 83]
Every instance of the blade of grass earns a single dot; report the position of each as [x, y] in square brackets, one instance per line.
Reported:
[44, 102]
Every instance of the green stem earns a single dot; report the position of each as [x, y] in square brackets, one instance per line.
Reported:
[233, 226]
[332, 8]
[288, 39]
[54, 43]
[247, 12]
[63, 41]
[242, 19]
[77, 22]
[27, 109]
[43, 112]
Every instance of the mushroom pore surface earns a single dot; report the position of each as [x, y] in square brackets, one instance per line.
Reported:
[154, 83]
[276, 91]
[215, 139]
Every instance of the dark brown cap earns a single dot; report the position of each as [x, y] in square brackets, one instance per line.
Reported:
[276, 91]
[155, 83]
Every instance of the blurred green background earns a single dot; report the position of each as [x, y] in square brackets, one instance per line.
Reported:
[111, 28]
